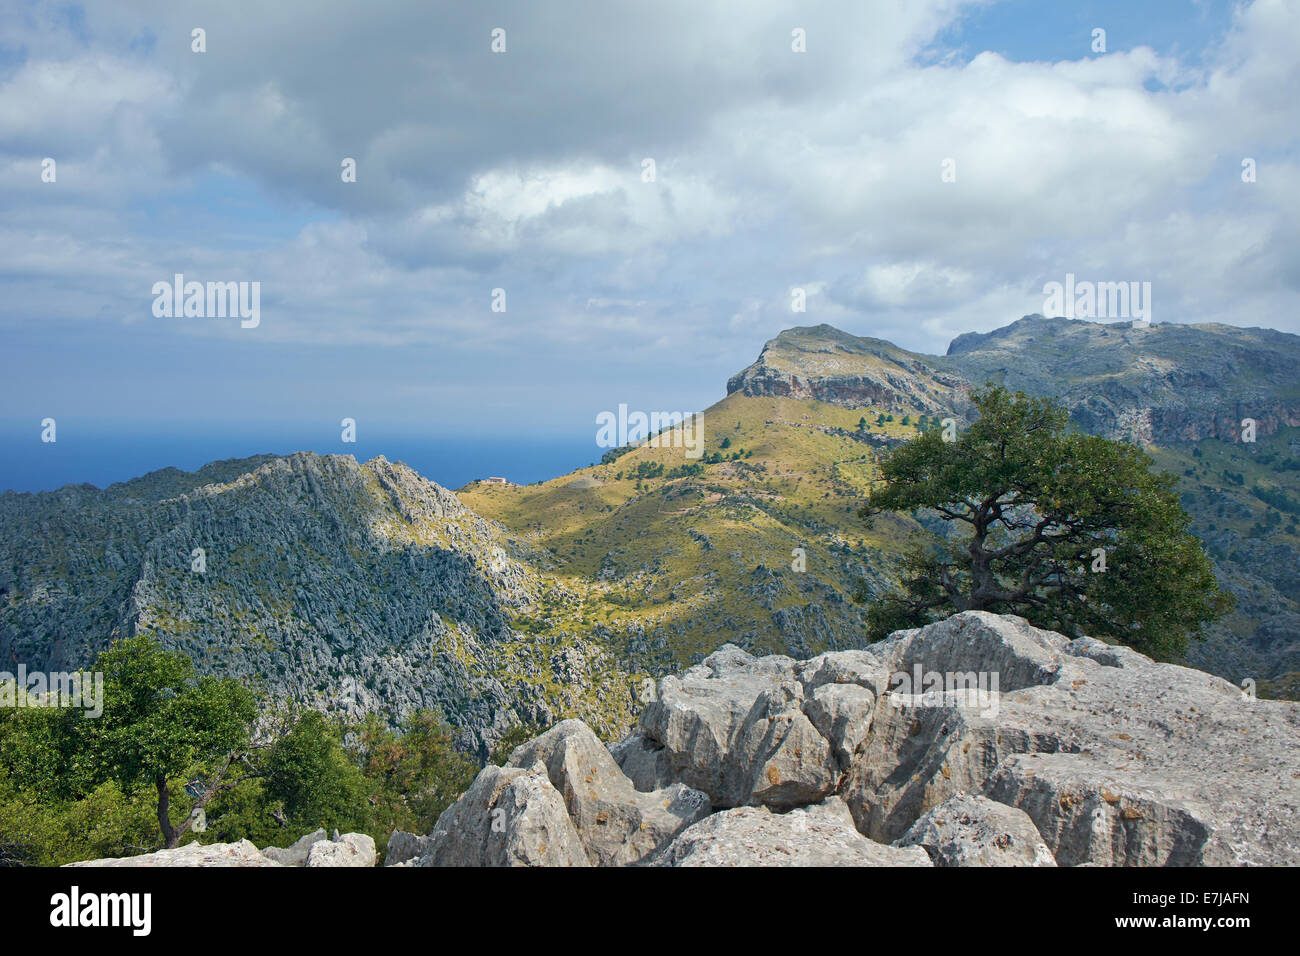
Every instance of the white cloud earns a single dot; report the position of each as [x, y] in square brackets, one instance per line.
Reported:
[774, 169]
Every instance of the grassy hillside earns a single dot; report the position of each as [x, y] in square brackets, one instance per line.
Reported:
[670, 563]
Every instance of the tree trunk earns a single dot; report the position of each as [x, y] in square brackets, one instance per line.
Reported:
[170, 836]
[981, 573]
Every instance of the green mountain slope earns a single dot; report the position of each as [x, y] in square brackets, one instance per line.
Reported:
[711, 554]
[672, 564]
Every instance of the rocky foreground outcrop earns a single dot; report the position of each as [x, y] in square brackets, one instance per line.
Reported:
[315, 850]
[977, 741]
[1033, 750]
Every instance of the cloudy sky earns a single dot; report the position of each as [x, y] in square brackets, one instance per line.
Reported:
[523, 170]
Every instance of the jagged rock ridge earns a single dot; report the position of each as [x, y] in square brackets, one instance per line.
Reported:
[1152, 384]
[350, 587]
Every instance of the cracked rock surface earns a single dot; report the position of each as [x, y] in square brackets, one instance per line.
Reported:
[1028, 749]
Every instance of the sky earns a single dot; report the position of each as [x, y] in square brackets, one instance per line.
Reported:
[919, 168]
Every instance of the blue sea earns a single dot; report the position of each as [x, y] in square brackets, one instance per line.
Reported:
[102, 455]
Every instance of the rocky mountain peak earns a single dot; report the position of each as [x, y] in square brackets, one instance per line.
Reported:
[826, 364]
[1157, 384]
[1161, 383]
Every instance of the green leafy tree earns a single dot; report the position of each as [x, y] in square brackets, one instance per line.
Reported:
[312, 778]
[1071, 531]
[74, 787]
[159, 722]
[36, 831]
[413, 775]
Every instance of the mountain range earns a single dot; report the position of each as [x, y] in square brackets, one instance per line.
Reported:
[358, 587]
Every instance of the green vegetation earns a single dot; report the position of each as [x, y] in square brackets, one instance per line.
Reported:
[411, 776]
[158, 721]
[511, 739]
[666, 561]
[1277, 498]
[1247, 534]
[1072, 531]
[76, 787]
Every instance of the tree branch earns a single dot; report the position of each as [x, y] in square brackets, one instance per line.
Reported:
[213, 789]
